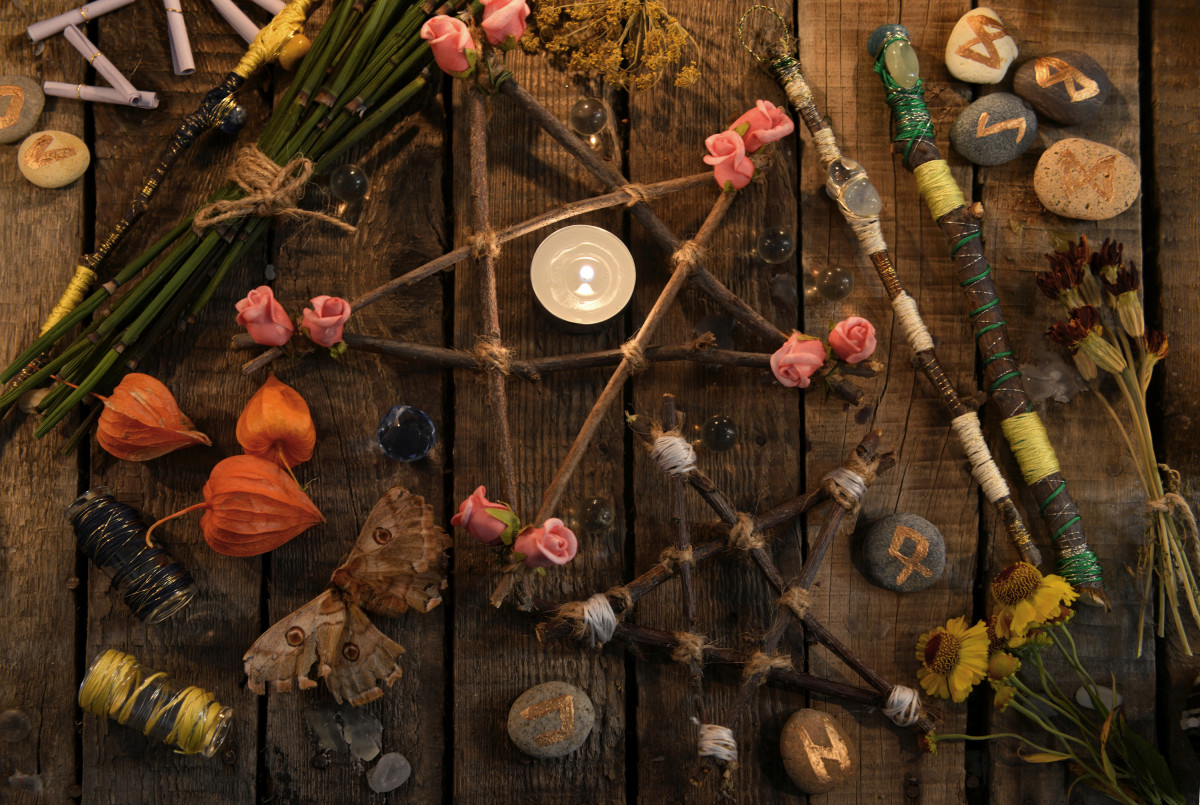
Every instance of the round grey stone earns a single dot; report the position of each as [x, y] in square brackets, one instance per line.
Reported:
[904, 553]
[995, 129]
[1067, 87]
[550, 720]
[391, 772]
[21, 102]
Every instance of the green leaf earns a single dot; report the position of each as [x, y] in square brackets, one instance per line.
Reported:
[1044, 757]
[510, 519]
[1146, 761]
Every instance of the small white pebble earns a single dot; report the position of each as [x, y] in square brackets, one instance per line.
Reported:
[269, 273]
[1105, 694]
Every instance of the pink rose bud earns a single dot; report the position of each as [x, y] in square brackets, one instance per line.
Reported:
[552, 544]
[765, 123]
[264, 318]
[453, 48]
[504, 21]
[477, 514]
[727, 155]
[853, 339]
[323, 321]
[794, 363]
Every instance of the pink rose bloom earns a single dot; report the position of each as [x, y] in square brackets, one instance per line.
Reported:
[794, 363]
[450, 41]
[765, 123]
[552, 544]
[323, 321]
[502, 19]
[264, 318]
[727, 155]
[853, 339]
[482, 524]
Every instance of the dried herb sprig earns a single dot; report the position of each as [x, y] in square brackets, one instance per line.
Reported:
[628, 43]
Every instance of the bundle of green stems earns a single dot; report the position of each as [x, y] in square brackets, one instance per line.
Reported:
[367, 63]
[1107, 333]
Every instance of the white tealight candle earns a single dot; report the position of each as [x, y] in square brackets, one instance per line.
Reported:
[583, 275]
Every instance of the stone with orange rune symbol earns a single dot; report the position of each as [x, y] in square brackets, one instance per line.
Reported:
[815, 751]
[1091, 181]
[1068, 87]
[980, 48]
[551, 719]
[53, 158]
[903, 552]
[21, 102]
[995, 129]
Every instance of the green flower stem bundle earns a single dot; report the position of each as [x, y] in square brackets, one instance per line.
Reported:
[365, 65]
[1106, 332]
[1031, 616]
[1023, 429]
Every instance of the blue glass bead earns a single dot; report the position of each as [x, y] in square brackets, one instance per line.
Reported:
[719, 434]
[875, 40]
[406, 433]
[234, 119]
[349, 183]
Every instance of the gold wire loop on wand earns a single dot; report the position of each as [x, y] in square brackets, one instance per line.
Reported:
[785, 39]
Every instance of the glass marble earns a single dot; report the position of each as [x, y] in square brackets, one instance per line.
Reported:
[406, 434]
[833, 283]
[900, 59]
[719, 433]
[776, 244]
[349, 183]
[588, 116]
[597, 516]
[849, 186]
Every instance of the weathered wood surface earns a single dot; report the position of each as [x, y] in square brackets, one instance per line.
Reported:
[465, 662]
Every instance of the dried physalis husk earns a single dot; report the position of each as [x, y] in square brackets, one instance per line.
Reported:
[277, 426]
[141, 421]
[252, 506]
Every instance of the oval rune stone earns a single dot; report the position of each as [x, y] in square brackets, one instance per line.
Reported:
[816, 754]
[550, 720]
[1068, 87]
[21, 102]
[980, 49]
[904, 553]
[995, 129]
[1082, 179]
[53, 158]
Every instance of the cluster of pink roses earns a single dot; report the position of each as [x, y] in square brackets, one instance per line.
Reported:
[268, 323]
[727, 151]
[496, 524]
[454, 49]
[794, 364]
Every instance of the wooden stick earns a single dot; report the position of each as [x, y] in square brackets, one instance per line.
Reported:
[452, 258]
[486, 260]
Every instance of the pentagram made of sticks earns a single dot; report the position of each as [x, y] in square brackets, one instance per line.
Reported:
[602, 617]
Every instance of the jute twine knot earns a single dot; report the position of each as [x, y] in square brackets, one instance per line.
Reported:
[490, 354]
[636, 356]
[672, 558]
[485, 244]
[797, 599]
[743, 535]
[687, 255]
[636, 192]
[595, 619]
[690, 648]
[271, 190]
[847, 492]
[761, 664]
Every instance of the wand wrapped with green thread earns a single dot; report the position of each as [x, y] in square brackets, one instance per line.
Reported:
[897, 67]
[859, 203]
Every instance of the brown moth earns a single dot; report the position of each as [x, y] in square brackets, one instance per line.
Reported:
[396, 563]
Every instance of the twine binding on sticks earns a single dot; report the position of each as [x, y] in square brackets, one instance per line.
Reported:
[672, 558]
[271, 190]
[595, 620]
[847, 484]
[903, 706]
[673, 454]
[485, 244]
[798, 600]
[636, 192]
[489, 353]
[636, 356]
[983, 466]
[717, 741]
[743, 535]
[761, 664]
[687, 255]
[689, 648]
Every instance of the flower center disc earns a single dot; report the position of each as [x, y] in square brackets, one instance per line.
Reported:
[941, 652]
[1016, 583]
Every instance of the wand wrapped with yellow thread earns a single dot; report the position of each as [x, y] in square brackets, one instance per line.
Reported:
[859, 203]
[898, 69]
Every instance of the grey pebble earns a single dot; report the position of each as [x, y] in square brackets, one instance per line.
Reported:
[904, 553]
[550, 720]
[21, 103]
[391, 772]
[995, 129]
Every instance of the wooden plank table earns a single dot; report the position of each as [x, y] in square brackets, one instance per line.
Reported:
[466, 662]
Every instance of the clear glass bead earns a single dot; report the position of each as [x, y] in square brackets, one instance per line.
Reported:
[849, 186]
[833, 283]
[406, 434]
[598, 516]
[588, 116]
[900, 59]
[719, 433]
[349, 183]
[776, 244]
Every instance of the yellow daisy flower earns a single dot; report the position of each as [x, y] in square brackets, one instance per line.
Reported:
[954, 659]
[1003, 696]
[1026, 597]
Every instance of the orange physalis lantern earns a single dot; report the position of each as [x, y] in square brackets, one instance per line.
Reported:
[275, 425]
[141, 421]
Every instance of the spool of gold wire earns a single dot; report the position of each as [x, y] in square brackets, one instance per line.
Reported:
[118, 687]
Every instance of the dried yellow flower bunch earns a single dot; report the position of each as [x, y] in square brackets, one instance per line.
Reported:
[628, 43]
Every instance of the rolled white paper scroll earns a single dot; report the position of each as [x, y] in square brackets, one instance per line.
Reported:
[144, 100]
[233, 15]
[177, 35]
[274, 6]
[40, 30]
[103, 66]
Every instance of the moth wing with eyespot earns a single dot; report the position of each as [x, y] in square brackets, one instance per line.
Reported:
[363, 658]
[289, 649]
[398, 560]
